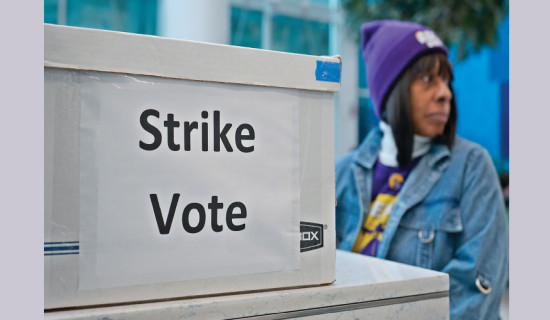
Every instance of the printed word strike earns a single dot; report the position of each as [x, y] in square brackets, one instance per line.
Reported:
[244, 132]
[214, 205]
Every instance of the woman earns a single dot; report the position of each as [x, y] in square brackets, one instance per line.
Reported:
[414, 193]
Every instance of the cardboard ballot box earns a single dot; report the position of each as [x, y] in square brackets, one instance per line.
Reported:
[180, 169]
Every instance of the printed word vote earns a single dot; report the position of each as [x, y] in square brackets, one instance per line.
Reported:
[236, 210]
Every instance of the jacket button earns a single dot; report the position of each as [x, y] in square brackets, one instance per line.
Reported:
[481, 288]
[423, 239]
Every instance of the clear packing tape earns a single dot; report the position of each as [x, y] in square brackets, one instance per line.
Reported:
[103, 228]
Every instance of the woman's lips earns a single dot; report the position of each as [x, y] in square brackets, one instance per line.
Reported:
[438, 117]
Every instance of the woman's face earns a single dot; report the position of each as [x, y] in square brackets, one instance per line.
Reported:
[430, 101]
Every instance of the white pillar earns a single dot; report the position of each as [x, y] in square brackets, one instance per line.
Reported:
[347, 100]
[267, 24]
[204, 20]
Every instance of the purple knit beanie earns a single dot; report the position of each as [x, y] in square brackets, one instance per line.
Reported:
[388, 48]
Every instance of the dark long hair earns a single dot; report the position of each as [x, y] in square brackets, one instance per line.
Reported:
[397, 113]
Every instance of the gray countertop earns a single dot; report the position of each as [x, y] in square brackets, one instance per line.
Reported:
[362, 282]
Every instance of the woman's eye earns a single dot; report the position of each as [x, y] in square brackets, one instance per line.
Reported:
[426, 78]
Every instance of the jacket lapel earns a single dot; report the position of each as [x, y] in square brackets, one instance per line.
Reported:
[362, 170]
[416, 188]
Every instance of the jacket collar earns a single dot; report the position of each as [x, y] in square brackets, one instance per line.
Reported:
[367, 152]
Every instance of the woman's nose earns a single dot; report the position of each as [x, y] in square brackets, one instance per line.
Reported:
[443, 93]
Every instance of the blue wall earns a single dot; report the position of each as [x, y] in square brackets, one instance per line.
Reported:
[481, 88]
[478, 101]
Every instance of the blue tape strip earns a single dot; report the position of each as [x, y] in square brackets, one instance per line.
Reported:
[327, 71]
[61, 248]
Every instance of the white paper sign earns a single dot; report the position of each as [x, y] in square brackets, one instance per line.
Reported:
[162, 196]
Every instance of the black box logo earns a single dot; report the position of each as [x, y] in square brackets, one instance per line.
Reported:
[311, 236]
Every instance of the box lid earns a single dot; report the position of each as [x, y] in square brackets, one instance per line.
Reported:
[119, 52]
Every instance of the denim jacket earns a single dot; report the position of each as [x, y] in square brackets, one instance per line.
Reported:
[449, 216]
